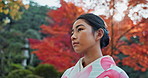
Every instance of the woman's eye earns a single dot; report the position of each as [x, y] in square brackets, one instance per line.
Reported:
[71, 33]
[80, 29]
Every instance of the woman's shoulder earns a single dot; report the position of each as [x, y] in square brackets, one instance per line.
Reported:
[113, 72]
[68, 71]
[117, 71]
[111, 69]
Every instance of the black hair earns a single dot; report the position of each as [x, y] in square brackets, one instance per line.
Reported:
[96, 22]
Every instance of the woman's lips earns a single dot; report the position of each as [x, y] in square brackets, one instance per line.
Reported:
[75, 43]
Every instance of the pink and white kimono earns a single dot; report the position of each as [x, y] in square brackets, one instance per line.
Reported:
[103, 67]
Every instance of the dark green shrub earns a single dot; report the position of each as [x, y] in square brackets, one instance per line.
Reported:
[33, 76]
[31, 68]
[20, 73]
[46, 71]
[16, 66]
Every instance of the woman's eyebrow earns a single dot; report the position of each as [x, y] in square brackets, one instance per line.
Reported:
[77, 27]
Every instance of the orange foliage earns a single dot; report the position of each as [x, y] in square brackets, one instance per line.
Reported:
[136, 52]
[123, 35]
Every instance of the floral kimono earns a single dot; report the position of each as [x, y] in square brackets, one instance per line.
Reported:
[103, 67]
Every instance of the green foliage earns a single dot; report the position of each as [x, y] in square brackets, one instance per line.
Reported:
[41, 71]
[33, 76]
[16, 66]
[46, 71]
[30, 68]
[31, 19]
[20, 73]
[31, 33]
[13, 35]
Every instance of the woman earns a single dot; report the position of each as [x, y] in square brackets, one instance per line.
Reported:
[88, 36]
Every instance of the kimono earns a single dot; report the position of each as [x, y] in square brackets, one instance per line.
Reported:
[103, 67]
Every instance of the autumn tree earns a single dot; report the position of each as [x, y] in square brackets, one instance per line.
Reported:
[10, 9]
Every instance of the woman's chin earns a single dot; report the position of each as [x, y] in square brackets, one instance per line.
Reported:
[78, 51]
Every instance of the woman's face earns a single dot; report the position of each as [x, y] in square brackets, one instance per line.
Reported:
[82, 37]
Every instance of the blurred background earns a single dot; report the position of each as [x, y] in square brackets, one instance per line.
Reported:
[35, 35]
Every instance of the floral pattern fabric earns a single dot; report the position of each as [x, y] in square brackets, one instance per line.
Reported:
[103, 67]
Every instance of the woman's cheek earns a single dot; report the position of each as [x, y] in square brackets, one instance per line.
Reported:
[84, 39]
[89, 39]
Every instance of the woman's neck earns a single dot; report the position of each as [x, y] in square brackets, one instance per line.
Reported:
[91, 56]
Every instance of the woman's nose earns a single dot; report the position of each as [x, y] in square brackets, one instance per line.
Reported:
[73, 37]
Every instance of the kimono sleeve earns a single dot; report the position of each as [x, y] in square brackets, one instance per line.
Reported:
[66, 73]
[113, 72]
[121, 72]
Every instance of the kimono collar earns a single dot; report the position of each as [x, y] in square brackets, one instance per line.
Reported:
[103, 63]
[103, 67]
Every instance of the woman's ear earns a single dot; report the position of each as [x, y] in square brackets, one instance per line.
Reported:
[99, 34]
